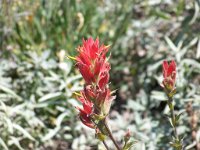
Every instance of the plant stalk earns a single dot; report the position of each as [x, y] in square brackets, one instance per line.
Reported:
[110, 135]
[106, 146]
[174, 122]
[173, 118]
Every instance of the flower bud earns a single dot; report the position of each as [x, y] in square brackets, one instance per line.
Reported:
[169, 74]
[127, 136]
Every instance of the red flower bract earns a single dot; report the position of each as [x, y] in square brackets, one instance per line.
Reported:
[91, 60]
[94, 66]
[86, 111]
[169, 74]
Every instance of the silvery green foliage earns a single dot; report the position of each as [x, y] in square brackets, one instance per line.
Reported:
[35, 92]
[152, 35]
[141, 33]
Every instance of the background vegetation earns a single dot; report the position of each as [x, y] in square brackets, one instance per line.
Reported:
[37, 81]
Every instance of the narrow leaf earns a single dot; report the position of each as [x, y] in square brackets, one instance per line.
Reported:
[3, 144]
[23, 131]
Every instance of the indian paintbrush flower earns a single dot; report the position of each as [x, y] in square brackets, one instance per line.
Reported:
[169, 81]
[96, 97]
[92, 62]
[93, 65]
[169, 74]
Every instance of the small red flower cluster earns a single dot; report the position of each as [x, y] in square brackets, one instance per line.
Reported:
[169, 74]
[94, 67]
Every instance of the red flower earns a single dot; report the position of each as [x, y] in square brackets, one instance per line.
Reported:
[94, 66]
[127, 135]
[169, 74]
[91, 60]
[90, 92]
[86, 111]
[104, 100]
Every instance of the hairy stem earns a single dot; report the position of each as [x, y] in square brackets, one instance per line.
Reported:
[110, 135]
[173, 117]
[106, 146]
[174, 122]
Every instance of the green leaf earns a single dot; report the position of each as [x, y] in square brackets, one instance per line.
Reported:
[16, 142]
[161, 14]
[159, 96]
[176, 145]
[49, 96]
[23, 131]
[171, 94]
[9, 124]
[11, 92]
[170, 104]
[53, 132]
[128, 145]
[171, 44]
[3, 144]
[171, 122]
[177, 117]
[101, 136]
[135, 105]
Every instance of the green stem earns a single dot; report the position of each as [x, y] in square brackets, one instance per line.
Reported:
[174, 122]
[110, 134]
[173, 117]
